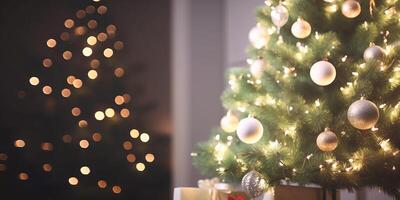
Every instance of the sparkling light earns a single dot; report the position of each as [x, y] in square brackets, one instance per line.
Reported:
[34, 81]
[73, 181]
[99, 115]
[102, 184]
[110, 112]
[144, 137]
[91, 40]
[19, 144]
[92, 74]
[70, 79]
[125, 113]
[77, 83]
[108, 52]
[87, 51]
[134, 133]
[51, 43]
[119, 100]
[66, 92]
[149, 157]
[69, 23]
[85, 170]
[47, 90]
[116, 189]
[140, 167]
[84, 144]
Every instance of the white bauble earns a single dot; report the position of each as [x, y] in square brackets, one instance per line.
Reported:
[327, 141]
[301, 29]
[351, 9]
[374, 53]
[257, 68]
[279, 15]
[363, 114]
[259, 36]
[250, 130]
[229, 122]
[322, 73]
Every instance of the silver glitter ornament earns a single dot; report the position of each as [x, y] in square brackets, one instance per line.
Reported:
[363, 114]
[253, 184]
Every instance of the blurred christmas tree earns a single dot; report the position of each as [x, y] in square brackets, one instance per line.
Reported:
[81, 125]
[320, 102]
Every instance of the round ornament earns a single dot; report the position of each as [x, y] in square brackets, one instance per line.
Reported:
[253, 184]
[363, 114]
[374, 53]
[301, 29]
[250, 130]
[257, 68]
[327, 141]
[351, 9]
[322, 73]
[259, 36]
[279, 15]
[229, 122]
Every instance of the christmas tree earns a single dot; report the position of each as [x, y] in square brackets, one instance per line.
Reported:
[319, 102]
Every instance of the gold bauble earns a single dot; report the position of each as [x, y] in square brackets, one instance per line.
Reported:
[253, 184]
[351, 9]
[363, 114]
[301, 29]
[229, 122]
[327, 141]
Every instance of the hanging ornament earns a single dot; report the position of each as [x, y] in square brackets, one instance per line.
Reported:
[250, 130]
[257, 68]
[363, 114]
[229, 122]
[279, 16]
[351, 8]
[327, 141]
[253, 184]
[259, 36]
[301, 29]
[322, 73]
[374, 53]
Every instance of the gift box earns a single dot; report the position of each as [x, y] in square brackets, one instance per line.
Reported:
[209, 190]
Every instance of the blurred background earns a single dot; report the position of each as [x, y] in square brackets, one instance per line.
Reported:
[106, 99]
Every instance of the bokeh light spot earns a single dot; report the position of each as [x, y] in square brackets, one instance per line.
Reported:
[108, 52]
[51, 43]
[73, 181]
[87, 51]
[99, 115]
[134, 133]
[19, 143]
[85, 170]
[84, 144]
[92, 74]
[144, 137]
[149, 157]
[69, 23]
[34, 81]
[140, 167]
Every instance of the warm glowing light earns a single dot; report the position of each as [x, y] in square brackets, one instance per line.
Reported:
[127, 97]
[102, 10]
[67, 55]
[34, 81]
[96, 137]
[77, 83]
[70, 79]
[94, 63]
[108, 53]
[66, 92]
[19, 144]
[73, 181]
[87, 51]
[51, 43]
[119, 100]
[102, 37]
[119, 72]
[92, 74]
[84, 144]
[125, 113]
[140, 167]
[64, 36]
[82, 123]
[67, 138]
[3, 157]
[91, 40]
[102, 184]
[110, 112]
[47, 62]
[76, 111]
[80, 14]
[118, 45]
[131, 158]
[80, 30]
[47, 146]
[47, 90]
[134, 133]
[3, 167]
[85, 170]
[47, 167]
[116, 189]
[23, 176]
[144, 137]
[149, 157]
[111, 29]
[99, 115]
[92, 24]
[90, 9]
[127, 145]
[69, 23]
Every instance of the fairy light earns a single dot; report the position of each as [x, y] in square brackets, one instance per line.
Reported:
[91, 40]
[99, 115]
[220, 150]
[73, 181]
[87, 51]
[85, 170]
[140, 167]
[144, 137]
[385, 145]
[134, 133]
[34, 81]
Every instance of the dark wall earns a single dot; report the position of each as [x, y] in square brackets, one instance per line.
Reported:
[143, 26]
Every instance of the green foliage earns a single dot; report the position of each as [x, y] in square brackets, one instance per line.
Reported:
[294, 110]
